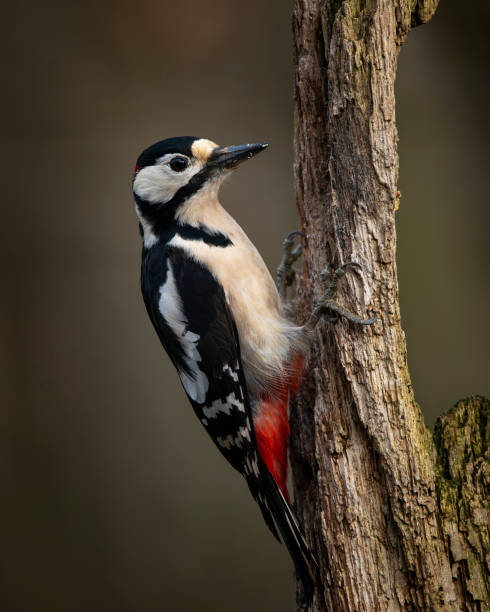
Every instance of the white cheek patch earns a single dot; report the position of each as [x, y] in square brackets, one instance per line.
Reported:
[196, 384]
[159, 183]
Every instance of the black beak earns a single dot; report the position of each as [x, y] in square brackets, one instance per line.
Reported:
[230, 157]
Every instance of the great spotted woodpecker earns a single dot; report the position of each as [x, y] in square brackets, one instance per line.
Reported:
[220, 318]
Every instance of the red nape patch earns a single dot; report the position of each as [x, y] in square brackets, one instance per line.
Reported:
[136, 170]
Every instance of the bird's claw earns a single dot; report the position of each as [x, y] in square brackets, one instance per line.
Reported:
[327, 305]
[285, 271]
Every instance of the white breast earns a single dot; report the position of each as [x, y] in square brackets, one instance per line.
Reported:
[265, 334]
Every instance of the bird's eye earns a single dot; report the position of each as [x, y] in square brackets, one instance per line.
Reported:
[179, 164]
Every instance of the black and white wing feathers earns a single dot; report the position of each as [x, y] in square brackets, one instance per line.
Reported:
[221, 402]
[193, 320]
[191, 315]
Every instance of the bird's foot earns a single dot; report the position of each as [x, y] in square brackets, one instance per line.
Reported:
[290, 254]
[328, 306]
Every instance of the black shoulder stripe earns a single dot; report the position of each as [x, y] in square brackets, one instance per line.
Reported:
[201, 232]
[190, 232]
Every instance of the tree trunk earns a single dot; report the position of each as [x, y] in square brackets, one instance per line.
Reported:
[390, 529]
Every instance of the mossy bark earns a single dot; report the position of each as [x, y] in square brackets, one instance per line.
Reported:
[364, 463]
[462, 479]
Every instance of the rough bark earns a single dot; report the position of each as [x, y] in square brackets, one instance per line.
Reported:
[364, 463]
[462, 480]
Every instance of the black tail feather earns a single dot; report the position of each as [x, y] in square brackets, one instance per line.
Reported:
[256, 487]
[291, 535]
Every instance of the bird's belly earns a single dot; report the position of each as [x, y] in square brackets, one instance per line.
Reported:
[262, 327]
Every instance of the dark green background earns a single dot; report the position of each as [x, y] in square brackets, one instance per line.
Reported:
[113, 497]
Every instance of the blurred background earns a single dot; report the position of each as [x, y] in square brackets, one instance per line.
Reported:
[113, 497]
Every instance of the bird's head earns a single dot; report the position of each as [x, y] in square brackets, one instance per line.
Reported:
[171, 172]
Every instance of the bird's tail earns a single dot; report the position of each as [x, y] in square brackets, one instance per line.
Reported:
[291, 535]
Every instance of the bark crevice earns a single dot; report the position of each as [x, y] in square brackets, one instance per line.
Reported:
[371, 509]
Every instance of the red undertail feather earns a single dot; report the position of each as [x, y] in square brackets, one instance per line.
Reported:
[272, 434]
[271, 426]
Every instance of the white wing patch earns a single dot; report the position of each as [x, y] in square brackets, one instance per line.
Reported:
[159, 183]
[232, 373]
[243, 433]
[170, 305]
[229, 441]
[251, 467]
[231, 401]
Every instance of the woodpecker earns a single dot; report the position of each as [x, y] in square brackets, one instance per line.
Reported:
[220, 317]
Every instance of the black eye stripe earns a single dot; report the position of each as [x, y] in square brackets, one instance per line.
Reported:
[178, 164]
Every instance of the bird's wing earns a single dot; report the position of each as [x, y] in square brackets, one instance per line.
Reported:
[191, 315]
